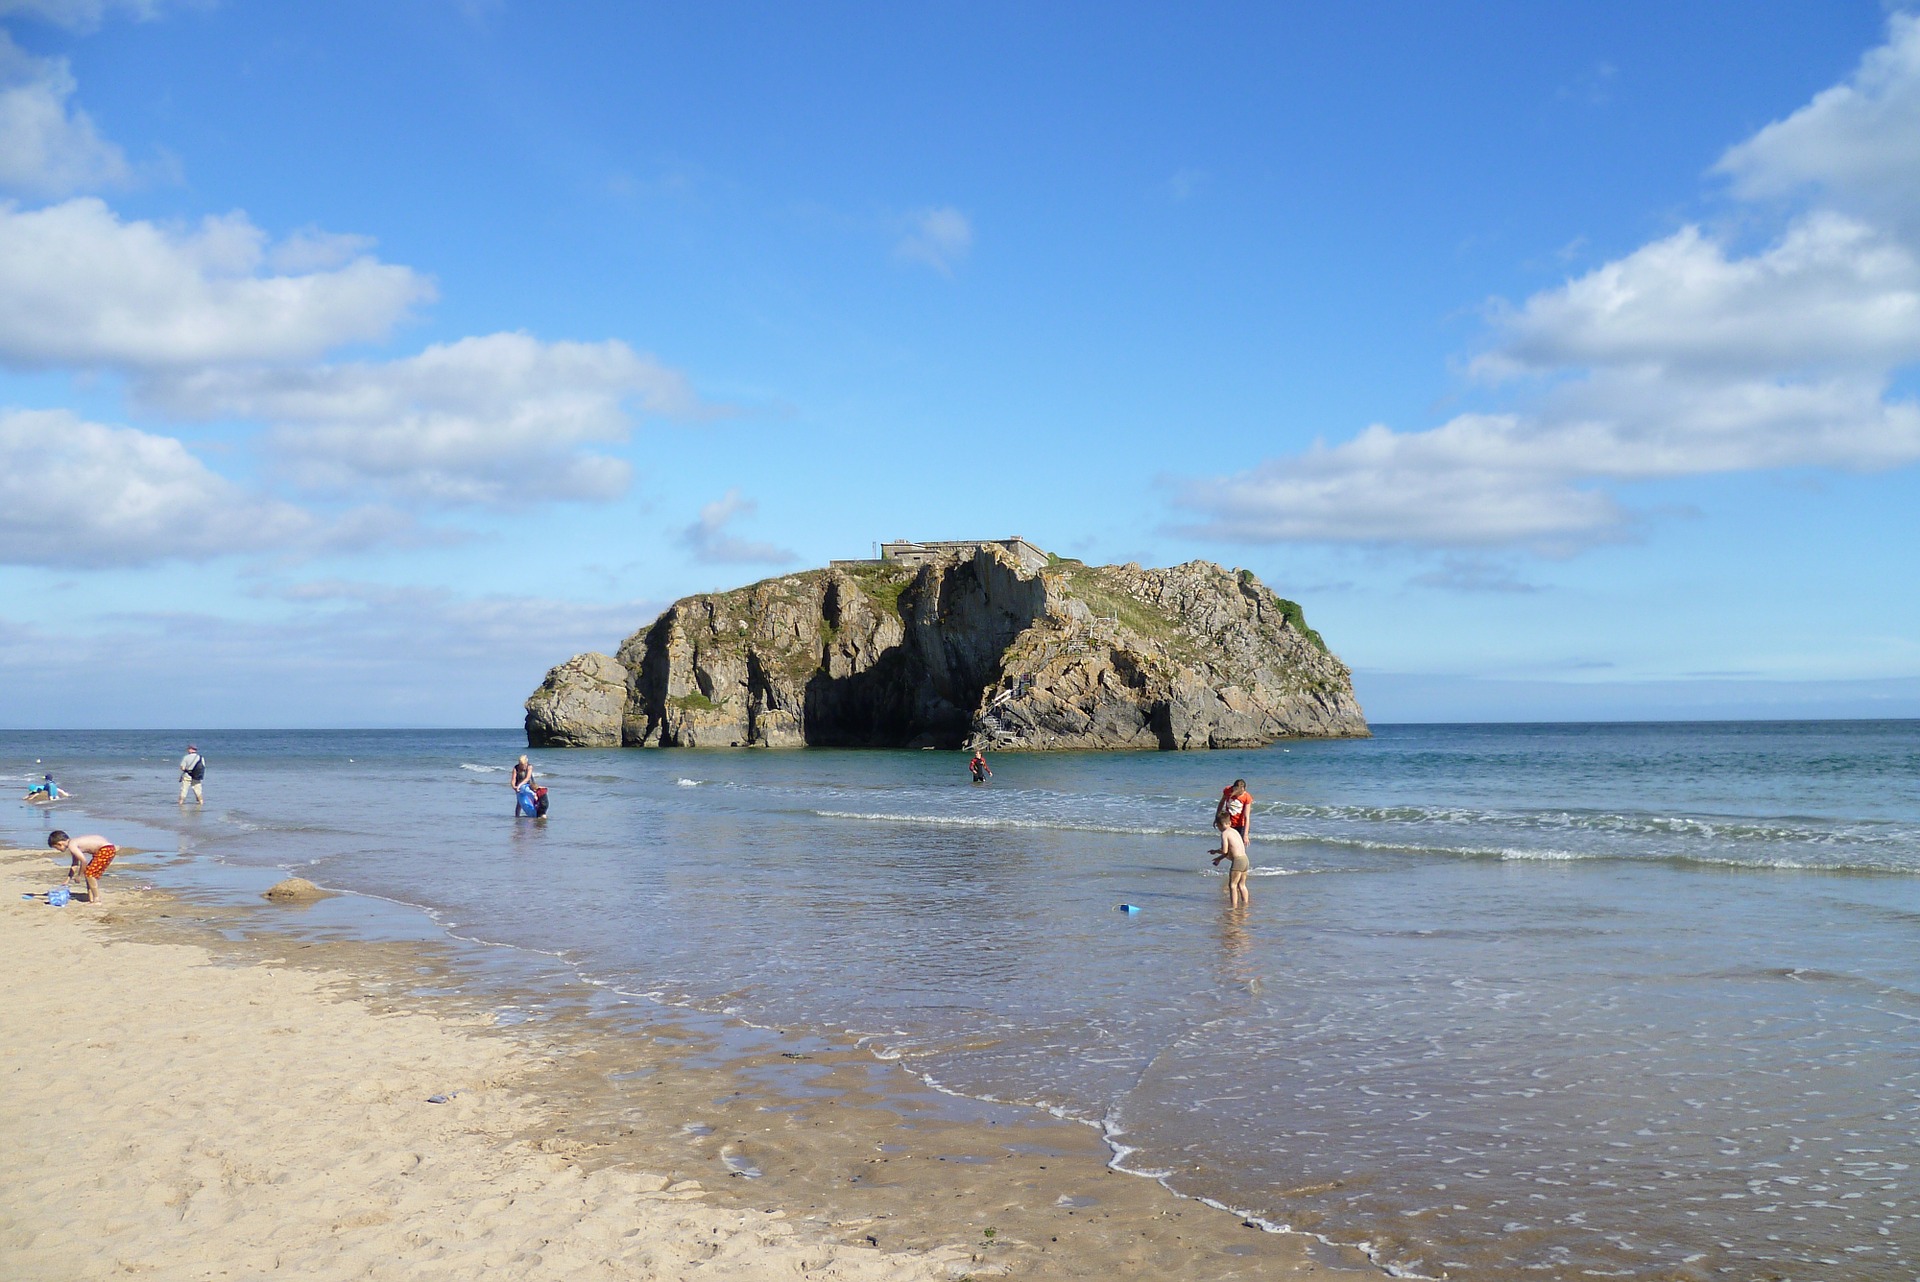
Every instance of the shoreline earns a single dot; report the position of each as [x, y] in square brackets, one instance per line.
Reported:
[786, 1146]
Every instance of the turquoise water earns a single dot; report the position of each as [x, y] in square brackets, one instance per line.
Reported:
[1616, 1000]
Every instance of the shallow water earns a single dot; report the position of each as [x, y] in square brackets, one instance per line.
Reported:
[1637, 1001]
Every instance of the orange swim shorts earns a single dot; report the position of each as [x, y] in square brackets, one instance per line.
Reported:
[101, 858]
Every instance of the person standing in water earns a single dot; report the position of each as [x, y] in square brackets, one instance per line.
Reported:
[528, 800]
[1243, 817]
[1240, 819]
[193, 769]
[979, 767]
[90, 856]
[1233, 817]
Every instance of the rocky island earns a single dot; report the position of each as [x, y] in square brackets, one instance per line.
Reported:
[994, 644]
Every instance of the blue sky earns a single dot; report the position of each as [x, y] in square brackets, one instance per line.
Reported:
[359, 361]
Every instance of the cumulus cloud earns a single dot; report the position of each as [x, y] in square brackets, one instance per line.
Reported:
[47, 146]
[1539, 479]
[1686, 357]
[311, 249]
[1855, 140]
[709, 541]
[938, 237]
[85, 495]
[79, 287]
[503, 419]
[1480, 480]
[1830, 292]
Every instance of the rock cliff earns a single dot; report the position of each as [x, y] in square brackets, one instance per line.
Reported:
[579, 705]
[966, 650]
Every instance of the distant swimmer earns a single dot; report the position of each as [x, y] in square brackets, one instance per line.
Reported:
[1233, 817]
[44, 791]
[193, 769]
[981, 770]
[90, 856]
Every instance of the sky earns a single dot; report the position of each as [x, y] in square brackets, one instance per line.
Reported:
[360, 361]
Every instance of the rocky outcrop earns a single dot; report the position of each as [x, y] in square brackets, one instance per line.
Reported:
[295, 890]
[974, 649]
[1189, 657]
[581, 704]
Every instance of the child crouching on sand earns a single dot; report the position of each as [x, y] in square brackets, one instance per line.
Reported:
[90, 855]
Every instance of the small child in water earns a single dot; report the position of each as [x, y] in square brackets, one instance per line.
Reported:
[45, 790]
[90, 856]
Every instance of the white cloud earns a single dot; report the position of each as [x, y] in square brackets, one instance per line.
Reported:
[938, 237]
[310, 249]
[1683, 358]
[81, 288]
[1856, 140]
[1645, 424]
[85, 495]
[1831, 292]
[78, 15]
[503, 419]
[1540, 479]
[1480, 480]
[47, 147]
[708, 540]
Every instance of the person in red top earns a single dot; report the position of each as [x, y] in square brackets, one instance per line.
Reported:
[1240, 816]
[1243, 818]
[1234, 818]
[979, 767]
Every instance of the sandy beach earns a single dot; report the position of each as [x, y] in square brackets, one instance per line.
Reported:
[195, 1093]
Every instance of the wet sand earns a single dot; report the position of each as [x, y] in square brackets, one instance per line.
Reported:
[201, 1090]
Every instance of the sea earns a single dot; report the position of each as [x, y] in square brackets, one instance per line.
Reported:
[1510, 1001]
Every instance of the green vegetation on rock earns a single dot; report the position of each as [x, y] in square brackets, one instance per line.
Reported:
[1297, 620]
[881, 584]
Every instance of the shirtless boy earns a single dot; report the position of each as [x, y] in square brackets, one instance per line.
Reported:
[90, 856]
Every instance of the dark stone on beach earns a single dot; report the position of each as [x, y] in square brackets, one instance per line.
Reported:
[975, 649]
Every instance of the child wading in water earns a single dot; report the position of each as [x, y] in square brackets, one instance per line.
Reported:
[1233, 817]
[90, 856]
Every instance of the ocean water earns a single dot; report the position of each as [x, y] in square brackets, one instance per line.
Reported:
[1635, 1001]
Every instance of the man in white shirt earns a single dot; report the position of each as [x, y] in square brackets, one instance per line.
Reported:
[193, 768]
